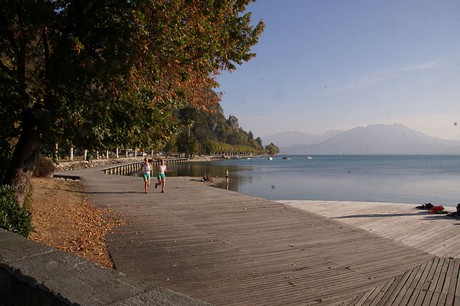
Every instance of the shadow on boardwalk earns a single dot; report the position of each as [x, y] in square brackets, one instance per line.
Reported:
[227, 248]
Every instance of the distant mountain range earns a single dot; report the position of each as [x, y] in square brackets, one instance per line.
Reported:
[373, 139]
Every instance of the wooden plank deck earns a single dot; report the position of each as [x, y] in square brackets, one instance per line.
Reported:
[436, 234]
[227, 248]
[433, 283]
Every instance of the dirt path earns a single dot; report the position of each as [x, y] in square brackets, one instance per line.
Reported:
[63, 218]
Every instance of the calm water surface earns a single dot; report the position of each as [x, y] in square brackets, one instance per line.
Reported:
[398, 179]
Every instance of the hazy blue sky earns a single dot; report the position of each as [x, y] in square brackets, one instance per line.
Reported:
[338, 64]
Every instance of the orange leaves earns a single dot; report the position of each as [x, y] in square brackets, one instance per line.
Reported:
[186, 43]
[65, 219]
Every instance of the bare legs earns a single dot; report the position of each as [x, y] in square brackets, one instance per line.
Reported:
[146, 184]
[161, 182]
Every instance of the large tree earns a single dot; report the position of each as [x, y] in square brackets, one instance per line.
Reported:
[99, 73]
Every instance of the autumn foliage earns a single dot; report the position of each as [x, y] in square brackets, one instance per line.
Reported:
[99, 74]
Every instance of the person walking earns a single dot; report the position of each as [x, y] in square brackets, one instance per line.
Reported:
[146, 174]
[161, 177]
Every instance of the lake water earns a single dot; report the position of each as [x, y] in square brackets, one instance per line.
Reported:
[397, 179]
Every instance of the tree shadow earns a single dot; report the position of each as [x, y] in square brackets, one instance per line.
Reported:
[427, 216]
[380, 215]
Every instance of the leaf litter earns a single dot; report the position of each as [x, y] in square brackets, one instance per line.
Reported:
[65, 219]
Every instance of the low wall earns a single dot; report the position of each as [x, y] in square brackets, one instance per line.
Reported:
[34, 274]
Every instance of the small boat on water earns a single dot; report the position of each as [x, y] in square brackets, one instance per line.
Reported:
[286, 158]
[270, 158]
[309, 157]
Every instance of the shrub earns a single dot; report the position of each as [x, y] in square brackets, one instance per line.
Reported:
[13, 217]
[45, 167]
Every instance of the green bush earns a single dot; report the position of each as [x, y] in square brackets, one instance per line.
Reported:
[44, 168]
[13, 218]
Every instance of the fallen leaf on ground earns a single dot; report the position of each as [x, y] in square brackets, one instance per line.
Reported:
[64, 218]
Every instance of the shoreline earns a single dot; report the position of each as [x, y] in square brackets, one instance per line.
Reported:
[343, 181]
[447, 207]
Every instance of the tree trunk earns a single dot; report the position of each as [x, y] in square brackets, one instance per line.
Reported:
[23, 162]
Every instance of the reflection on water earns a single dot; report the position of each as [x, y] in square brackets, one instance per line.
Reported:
[400, 179]
[199, 169]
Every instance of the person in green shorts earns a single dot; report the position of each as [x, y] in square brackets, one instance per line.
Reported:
[146, 174]
[161, 176]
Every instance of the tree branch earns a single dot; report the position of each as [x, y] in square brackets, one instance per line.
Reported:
[12, 40]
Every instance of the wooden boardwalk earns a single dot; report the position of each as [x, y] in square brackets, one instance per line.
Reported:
[433, 283]
[436, 234]
[227, 248]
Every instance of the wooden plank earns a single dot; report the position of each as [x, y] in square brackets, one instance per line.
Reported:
[227, 248]
[440, 278]
[375, 295]
[420, 229]
[445, 280]
[417, 282]
[406, 289]
[425, 296]
[360, 298]
[394, 289]
[384, 289]
[453, 282]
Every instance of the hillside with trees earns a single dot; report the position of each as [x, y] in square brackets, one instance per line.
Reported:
[209, 132]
